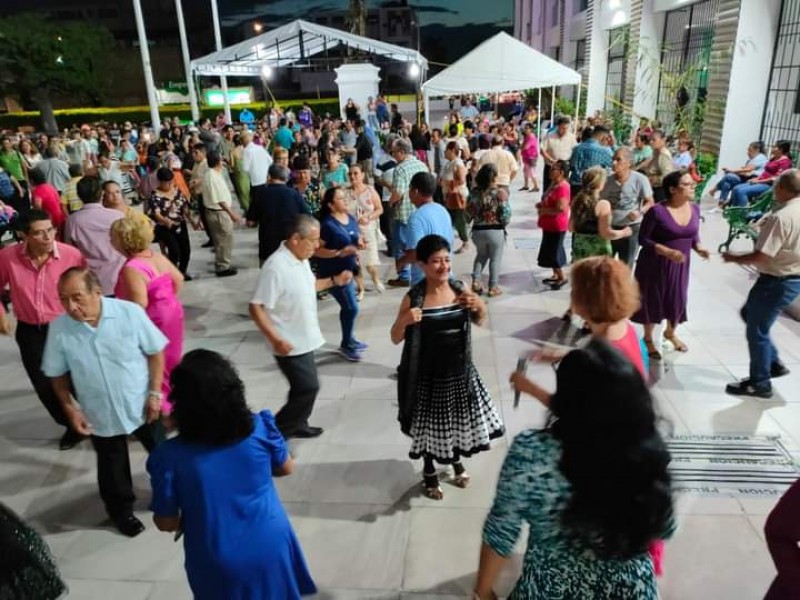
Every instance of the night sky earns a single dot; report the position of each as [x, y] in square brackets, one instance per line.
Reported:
[451, 13]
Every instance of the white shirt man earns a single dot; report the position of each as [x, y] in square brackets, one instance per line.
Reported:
[284, 307]
[255, 161]
[501, 158]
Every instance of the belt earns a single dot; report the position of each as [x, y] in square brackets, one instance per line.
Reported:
[780, 278]
[38, 327]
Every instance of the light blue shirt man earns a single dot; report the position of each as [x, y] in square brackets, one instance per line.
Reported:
[429, 218]
[107, 364]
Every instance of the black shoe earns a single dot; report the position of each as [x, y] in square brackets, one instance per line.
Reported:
[128, 525]
[307, 432]
[227, 273]
[187, 277]
[778, 370]
[70, 439]
[208, 244]
[745, 388]
[558, 284]
[399, 282]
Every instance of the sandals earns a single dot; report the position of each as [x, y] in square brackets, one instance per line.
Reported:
[477, 287]
[652, 351]
[461, 480]
[676, 343]
[431, 487]
[557, 284]
[495, 291]
[360, 295]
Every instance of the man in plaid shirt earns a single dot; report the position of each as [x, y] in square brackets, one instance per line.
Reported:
[408, 165]
[590, 153]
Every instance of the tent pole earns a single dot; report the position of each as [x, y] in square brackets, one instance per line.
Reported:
[187, 61]
[553, 105]
[539, 117]
[577, 108]
[223, 80]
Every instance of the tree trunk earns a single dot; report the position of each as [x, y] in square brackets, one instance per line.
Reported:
[48, 117]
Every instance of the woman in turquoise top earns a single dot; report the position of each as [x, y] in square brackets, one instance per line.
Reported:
[335, 175]
[593, 486]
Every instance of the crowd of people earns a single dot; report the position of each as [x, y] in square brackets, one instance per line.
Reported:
[99, 322]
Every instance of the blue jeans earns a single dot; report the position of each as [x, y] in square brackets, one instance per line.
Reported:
[768, 297]
[345, 295]
[399, 242]
[743, 192]
[726, 184]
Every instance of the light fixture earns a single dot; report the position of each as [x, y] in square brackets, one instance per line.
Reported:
[266, 71]
[258, 27]
[413, 70]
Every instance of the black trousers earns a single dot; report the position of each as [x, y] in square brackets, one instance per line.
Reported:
[301, 371]
[114, 467]
[176, 243]
[627, 249]
[31, 339]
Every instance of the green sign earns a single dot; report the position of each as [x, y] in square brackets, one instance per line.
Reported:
[243, 95]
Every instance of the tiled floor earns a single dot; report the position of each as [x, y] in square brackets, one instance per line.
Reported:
[354, 499]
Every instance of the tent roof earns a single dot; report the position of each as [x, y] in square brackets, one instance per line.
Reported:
[500, 64]
[293, 42]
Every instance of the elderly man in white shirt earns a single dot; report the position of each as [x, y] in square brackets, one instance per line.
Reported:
[501, 158]
[284, 307]
[255, 162]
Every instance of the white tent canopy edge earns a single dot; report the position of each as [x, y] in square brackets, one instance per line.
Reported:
[500, 64]
[292, 43]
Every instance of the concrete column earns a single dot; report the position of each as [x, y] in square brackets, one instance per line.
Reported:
[749, 79]
[597, 61]
[647, 58]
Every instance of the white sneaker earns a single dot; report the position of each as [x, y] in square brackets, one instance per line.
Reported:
[711, 211]
[379, 287]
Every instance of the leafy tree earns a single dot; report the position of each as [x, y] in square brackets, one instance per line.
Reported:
[40, 58]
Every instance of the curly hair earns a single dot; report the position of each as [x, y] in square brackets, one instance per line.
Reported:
[132, 233]
[209, 401]
[612, 453]
[603, 289]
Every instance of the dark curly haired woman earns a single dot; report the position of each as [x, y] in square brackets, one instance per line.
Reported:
[213, 482]
[593, 486]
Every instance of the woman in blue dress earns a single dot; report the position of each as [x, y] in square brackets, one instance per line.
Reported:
[213, 484]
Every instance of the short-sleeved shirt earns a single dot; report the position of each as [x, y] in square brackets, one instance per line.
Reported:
[430, 218]
[626, 197]
[642, 154]
[286, 288]
[274, 210]
[12, 162]
[107, 364]
[172, 208]
[401, 181]
[779, 239]
[337, 235]
[337, 177]
[555, 196]
[757, 163]
[503, 160]
[215, 190]
[585, 155]
[560, 147]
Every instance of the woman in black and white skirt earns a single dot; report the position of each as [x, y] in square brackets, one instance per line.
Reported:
[443, 404]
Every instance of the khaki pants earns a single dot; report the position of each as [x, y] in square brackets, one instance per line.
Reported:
[221, 226]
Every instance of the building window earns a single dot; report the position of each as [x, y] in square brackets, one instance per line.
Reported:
[580, 5]
[781, 119]
[555, 52]
[618, 45]
[554, 14]
[685, 58]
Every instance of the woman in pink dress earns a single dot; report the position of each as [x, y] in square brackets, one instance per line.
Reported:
[45, 197]
[152, 281]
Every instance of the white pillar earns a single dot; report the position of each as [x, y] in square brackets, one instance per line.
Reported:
[539, 117]
[218, 39]
[648, 61]
[749, 81]
[187, 61]
[597, 67]
[148, 71]
[578, 108]
[553, 105]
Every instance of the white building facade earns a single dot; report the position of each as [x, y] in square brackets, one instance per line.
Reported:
[729, 67]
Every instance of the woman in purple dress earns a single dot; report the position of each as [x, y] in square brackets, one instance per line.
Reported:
[669, 232]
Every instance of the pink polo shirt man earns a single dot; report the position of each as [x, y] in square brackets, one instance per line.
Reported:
[89, 230]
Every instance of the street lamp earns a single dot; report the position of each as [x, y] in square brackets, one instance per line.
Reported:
[258, 27]
[266, 72]
[414, 70]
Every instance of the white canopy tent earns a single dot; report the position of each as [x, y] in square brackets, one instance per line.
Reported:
[292, 43]
[500, 64]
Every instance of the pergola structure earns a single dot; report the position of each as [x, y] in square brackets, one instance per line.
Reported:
[292, 43]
